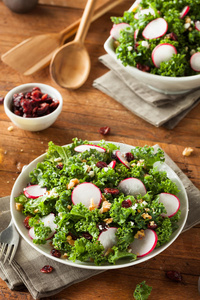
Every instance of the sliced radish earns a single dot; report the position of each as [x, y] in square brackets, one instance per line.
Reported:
[112, 164]
[85, 193]
[171, 203]
[144, 246]
[184, 12]
[88, 147]
[132, 186]
[136, 34]
[143, 12]
[48, 222]
[155, 29]
[108, 238]
[34, 191]
[162, 52]
[122, 158]
[195, 61]
[197, 25]
[117, 28]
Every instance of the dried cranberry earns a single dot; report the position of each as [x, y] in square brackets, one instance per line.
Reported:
[1, 100]
[42, 109]
[143, 68]
[129, 156]
[46, 269]
[101, 164]
[36, 94]
[174, 276]
[126, 203]
[111, 191]
[59, 166]
[87, 235]
[152, 226]
[55, 253]
[102, 226]
[173, 36]
[104, 130]
[114, 156]
[36, 89]
[26, 222]
[44, 97]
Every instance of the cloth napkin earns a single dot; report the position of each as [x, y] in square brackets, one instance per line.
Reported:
[152, 106]
[25, 268]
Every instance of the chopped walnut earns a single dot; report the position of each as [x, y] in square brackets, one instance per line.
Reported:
[65, 255]
[187, 151]
[36, 211]
[103, 198]
[140, 234]
[10, 128]
[108, 220]
[108, 251]
[105, 207]
[146, 216]
[92, 205]
[70, 240]
[72, 183]
[69, 207]
[187, 20]
[19, 206]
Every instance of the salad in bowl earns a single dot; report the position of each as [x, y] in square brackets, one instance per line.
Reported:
[99, 204]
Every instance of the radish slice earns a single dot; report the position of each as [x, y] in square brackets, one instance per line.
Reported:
[171, 203]
[83, 148]
[116, 29]
[197, 25]
[144, 246]
[136, 34]
[132, 186]
[162, 52]
[184, 12]
[108, 238]
[122, 158]
[34, 191]
[155, 29]
[85, 193]
[195, 62]
[48, 222]
[143, 12]
[112, 164]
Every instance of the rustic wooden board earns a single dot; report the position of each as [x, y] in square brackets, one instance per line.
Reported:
[70, 3]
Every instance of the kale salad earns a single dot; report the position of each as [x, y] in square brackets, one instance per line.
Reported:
[95, 203]
[160, 37]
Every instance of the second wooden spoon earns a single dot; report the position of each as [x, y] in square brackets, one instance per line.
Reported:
[70, 65]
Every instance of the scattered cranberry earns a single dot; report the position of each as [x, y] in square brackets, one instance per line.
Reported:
[1, 100]
[114, 156]
[174, 276]
[173, 36]
[87, 235]
[126, 203]
[111, 191]
[55, 253]
[152, 226]
[102, 226]
[101, 164]
[143, 68]
[26, 222]
[129, 156]
[59, 166]
[33, 104]
[104, 130]
[47, 269]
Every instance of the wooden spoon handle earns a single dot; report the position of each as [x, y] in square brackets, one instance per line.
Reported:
[85, 21]
[99, 12]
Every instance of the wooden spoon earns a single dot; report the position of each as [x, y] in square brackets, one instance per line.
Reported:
[36, 52]
[70, 65]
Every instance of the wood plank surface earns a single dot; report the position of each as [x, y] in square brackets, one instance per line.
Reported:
[84, 112]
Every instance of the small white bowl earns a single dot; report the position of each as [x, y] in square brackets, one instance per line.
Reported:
[37, 123]
[162, 84]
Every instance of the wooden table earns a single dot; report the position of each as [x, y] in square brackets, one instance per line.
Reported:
[84, 112]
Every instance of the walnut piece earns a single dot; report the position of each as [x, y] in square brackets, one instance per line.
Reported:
[187, 151]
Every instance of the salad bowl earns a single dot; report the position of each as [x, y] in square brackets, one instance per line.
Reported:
[162, 84]
[45, 249]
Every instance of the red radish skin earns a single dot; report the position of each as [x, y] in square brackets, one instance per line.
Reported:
[143, 12]
[197, 25]
[108, 238]
[83, 148]
[34, 191]
[132, 186]
[147, 244]
[86, 192]
[171, 203]
[122, 159]
[155, 29]
[195, 62]
[112, 164]
[184, 12]
[162, 52]
[116, 29]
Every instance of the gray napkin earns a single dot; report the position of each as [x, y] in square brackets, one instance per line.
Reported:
[155, 108]
[25, 268]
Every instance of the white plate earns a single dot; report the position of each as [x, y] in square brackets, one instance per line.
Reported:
[18, 217]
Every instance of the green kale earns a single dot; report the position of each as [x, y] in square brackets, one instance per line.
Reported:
[142, 291]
